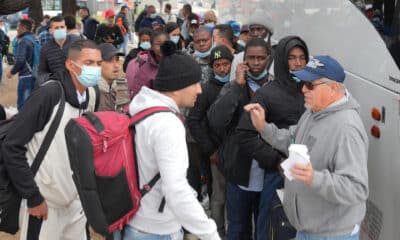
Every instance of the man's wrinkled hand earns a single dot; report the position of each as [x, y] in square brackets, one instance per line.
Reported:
[303, 172]
[257, 115]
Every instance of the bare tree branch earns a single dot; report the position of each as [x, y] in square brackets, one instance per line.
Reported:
[13, 6]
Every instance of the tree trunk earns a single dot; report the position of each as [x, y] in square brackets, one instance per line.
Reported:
[13, 6]
[69, 7]
[36, 12]
[396, 22]
[378, 4]
[388, 12]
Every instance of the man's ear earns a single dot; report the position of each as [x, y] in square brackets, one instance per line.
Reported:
[335, 88]
[70, 66]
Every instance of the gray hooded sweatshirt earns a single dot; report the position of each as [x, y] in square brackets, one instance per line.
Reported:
[338, 146]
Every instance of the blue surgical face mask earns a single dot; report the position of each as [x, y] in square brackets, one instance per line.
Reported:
[175, 39]
[202, 54]
[259, 77]
[210, 25]
[89, 76]
[221, 79]
[153, 15]
[145, 45]
[241, 43]
[60, 34]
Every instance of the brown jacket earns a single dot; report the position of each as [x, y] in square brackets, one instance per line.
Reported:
[107, 96]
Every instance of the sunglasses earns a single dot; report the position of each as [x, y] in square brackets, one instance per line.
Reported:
[310, 86]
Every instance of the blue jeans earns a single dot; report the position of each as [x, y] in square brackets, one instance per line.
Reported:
[272, 181]
[240, 205]
[124, 46]
[25, 87]
[305, 236]
[131, 233]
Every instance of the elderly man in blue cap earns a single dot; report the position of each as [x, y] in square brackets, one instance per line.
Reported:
[327, 198]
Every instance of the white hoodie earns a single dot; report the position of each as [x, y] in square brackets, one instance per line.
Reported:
[161, 147]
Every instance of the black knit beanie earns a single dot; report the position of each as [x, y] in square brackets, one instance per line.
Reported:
[177, 70]
[220, 52]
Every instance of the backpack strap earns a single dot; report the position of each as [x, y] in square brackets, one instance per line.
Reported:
[147, 187]
[140, 116]
[137, 118]
[95, 121]
[97, 95]
[33, 41]
[50, 133]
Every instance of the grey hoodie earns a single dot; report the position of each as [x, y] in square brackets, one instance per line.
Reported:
[338, 148]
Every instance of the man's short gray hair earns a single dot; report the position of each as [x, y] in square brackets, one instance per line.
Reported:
[342, 88]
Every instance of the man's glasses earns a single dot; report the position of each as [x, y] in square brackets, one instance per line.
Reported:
[310, 85]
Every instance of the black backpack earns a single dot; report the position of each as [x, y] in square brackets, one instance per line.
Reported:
[179, 21]
[4, 43]
[10, 200]
[280, 227]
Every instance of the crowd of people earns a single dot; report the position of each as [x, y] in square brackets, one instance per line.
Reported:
[237, 104]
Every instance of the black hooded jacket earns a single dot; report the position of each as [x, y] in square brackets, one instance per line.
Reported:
[223, 116]
[32, 118]
[283, 102]
[197, 121]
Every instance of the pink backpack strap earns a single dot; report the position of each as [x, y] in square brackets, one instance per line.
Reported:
[140, 116]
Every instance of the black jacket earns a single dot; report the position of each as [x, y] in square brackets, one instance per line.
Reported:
[114, 32]
[142, 15]
[223, 117]
[89, 27]
[188, 41]
[284, 104]
[124, 20]
[197, 119]
[52, 56]
[32, 118]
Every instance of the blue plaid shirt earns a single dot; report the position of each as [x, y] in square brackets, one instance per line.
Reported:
[44, 37]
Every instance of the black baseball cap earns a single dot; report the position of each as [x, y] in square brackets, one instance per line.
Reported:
[108, 51]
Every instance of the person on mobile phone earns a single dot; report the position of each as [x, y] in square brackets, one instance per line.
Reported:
[243, 178]
[284, 103]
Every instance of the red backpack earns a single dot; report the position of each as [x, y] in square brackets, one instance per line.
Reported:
[102, 155]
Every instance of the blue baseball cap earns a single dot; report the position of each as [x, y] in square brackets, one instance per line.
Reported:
[235, 27]
[321, 67]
